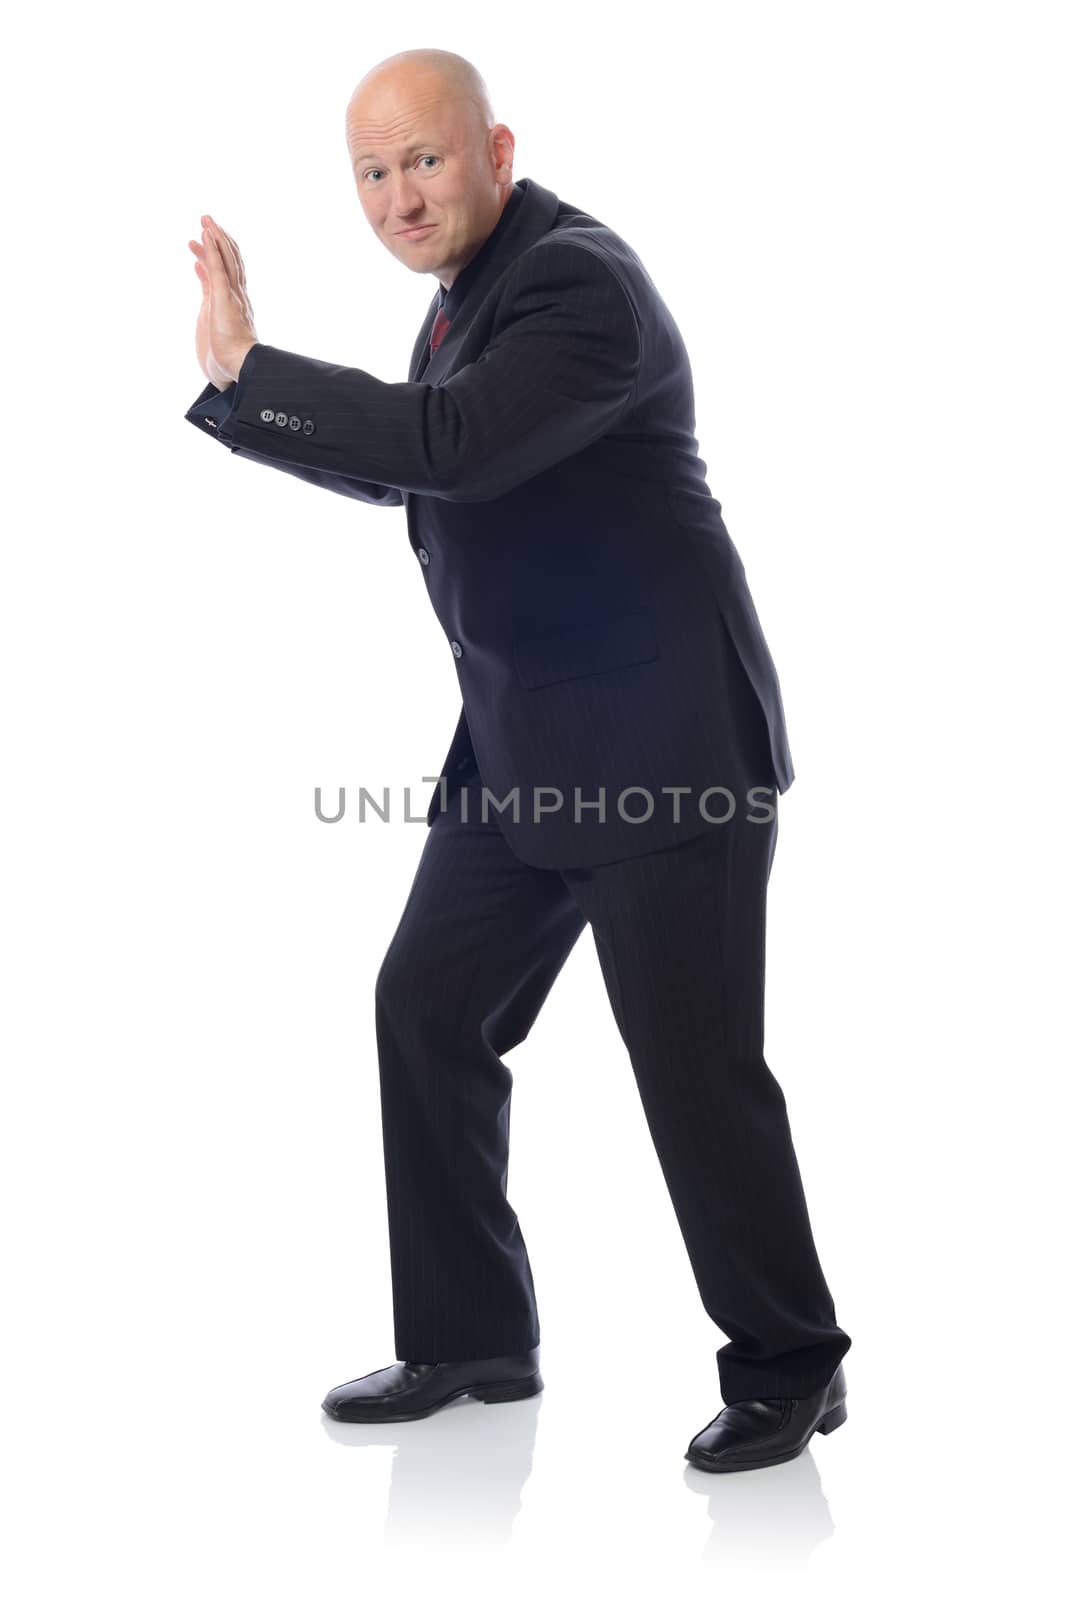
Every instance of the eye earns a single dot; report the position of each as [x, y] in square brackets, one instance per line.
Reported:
[370, 170]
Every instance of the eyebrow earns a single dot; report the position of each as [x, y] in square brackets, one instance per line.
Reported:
[413, 148]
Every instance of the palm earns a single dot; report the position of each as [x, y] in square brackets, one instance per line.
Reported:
[209, 332]
[210, 367]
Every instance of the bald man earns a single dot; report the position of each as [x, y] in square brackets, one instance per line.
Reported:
[616, 763]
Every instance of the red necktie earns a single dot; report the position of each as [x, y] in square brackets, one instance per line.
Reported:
[439, 328]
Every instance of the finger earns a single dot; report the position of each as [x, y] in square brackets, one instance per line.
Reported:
[239, 258]
[211, 256]
[230, 253]
[237, 274]
[230, 256]
[219, 275]
[219, 296]
[231, 259]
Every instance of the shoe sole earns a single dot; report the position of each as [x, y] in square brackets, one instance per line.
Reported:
[488, 1393]
[828, 1423]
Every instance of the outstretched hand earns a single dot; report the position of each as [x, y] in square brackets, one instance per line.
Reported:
[225, 328]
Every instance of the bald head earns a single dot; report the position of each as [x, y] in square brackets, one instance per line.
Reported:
[449, 76]
[428, 155]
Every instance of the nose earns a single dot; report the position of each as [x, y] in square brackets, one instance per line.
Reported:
[406, 204]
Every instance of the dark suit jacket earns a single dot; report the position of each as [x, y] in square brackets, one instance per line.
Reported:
[595, 607]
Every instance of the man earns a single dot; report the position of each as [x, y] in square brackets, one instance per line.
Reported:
[620, 745]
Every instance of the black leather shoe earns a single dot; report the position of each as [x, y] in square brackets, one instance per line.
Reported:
[760, 1433]
[408, 1390]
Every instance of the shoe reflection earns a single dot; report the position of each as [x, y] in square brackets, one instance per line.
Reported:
[458, 1474]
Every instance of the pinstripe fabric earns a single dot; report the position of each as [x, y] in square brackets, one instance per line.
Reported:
[595, 608]
[680, 936]
[479, 944]
[606, 644]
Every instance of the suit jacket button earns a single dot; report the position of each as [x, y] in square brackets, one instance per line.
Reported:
[423, 556]
[309, 425]
[281, 419]
[456, 647]
[266, 415]
[294, 424]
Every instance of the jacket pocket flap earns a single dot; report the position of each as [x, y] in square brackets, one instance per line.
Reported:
[576, 652]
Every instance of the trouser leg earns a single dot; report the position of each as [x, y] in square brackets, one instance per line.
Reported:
[480, 942]
[680, 935]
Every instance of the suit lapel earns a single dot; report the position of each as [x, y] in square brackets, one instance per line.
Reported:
[533, 216]
[420, 349]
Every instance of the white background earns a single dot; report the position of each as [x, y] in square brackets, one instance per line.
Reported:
[863, 218]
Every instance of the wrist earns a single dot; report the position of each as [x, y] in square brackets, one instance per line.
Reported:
[241, 357]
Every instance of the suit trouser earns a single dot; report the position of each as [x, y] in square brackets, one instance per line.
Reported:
[680, 936]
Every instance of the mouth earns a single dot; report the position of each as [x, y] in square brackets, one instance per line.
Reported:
[416, 233]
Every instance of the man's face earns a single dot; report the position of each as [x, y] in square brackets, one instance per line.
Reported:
[421, 161]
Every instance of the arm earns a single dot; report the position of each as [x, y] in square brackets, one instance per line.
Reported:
[560, 371]
[214, 405]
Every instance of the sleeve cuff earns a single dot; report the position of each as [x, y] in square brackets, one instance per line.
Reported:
[212, 407]
[213, 411]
